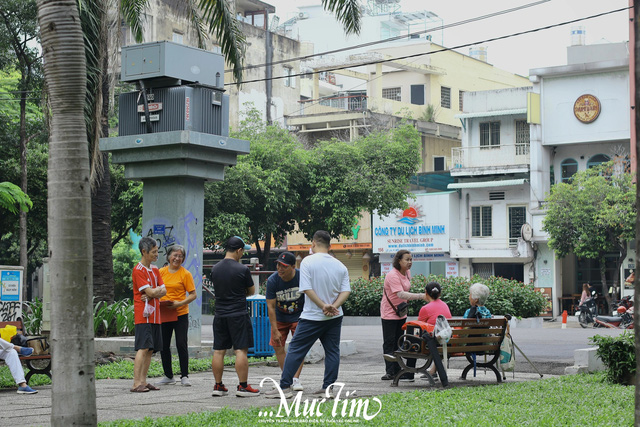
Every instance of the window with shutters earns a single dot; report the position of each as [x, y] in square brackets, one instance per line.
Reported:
[445, 97]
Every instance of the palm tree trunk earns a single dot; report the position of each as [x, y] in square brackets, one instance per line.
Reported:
[73, 400]
[103, 286]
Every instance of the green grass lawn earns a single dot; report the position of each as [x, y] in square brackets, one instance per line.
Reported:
[570, 400]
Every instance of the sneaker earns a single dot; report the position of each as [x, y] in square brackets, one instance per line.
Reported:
[185, 382]
[323, 392]
[219, 390]
[26, 351]
[247, 391]
[387, 377]
[274, 393]
[297, 385]
[165, 381]
[26, 390]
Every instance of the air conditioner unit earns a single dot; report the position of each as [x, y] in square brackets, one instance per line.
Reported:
[303, 15]
[197, 108]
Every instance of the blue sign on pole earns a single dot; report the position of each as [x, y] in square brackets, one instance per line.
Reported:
[158, 228]
[10, 281]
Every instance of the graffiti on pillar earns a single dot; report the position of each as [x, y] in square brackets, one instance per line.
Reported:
[162, 233]
[194, 323]
[9, 311]
[192, 263]
[184, 233]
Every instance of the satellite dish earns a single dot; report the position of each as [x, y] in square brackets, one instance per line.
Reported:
[526, 232]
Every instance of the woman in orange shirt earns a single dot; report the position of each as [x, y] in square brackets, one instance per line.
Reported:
[180, 292]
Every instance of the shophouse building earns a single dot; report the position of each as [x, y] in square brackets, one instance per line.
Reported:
[516, 144]
[580, 117]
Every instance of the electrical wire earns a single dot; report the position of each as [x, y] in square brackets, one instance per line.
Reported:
[444, 49]
[390, 39]
[318, 101]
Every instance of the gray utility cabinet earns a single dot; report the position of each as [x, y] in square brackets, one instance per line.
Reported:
[195, 108]
[166, 63]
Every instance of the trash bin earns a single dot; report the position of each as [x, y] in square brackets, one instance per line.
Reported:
[257, 307]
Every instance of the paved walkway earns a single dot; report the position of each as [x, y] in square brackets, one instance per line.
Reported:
[360, 372]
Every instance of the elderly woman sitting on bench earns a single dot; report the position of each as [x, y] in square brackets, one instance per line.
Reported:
[11, 355]
[478, 295]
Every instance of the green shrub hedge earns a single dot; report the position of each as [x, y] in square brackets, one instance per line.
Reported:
[619, 356]
[507, 296]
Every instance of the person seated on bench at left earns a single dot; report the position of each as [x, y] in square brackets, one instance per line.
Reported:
[430, 312]
[11, 355]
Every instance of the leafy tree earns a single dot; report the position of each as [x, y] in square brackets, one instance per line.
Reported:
[13, 199]
[281, 184]
[18, 31]
[126, 202]
[593, 215]
[10, 170]
[258, 196]
[344, 179]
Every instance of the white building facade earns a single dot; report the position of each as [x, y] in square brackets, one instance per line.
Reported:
[516, 144]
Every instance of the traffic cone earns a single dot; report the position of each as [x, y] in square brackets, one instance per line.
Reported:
[564, 319]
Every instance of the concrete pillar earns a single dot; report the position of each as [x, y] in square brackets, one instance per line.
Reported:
[173, 166]
[173, 214]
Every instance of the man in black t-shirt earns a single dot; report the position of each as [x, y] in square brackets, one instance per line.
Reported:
[284, 303]
[231, 323]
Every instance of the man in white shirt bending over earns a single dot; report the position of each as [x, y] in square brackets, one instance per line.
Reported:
[325, 282]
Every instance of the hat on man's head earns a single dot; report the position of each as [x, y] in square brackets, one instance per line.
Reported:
[287, 258]
[234, 243]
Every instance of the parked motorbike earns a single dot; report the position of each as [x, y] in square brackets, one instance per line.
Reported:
[623, 320]
[588, 311]
[626, 302]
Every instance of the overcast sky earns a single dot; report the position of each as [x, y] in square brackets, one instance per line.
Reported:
[517, 54]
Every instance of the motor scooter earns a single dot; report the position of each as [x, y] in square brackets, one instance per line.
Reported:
[588, 311]
[623, 320]
[626, 302]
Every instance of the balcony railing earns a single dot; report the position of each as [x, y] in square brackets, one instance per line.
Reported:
[490, 156]
[490, 248]
[346, 103]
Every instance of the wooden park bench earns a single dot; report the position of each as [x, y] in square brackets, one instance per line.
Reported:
[478, 340]
[37, 364]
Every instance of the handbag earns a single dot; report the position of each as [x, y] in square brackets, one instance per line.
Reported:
[401, 309]
[40, 345]
[507, 357]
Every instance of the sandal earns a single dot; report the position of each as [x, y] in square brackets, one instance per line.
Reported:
[151, 387]
[139, 389]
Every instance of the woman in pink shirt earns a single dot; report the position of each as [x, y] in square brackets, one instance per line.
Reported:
[435, 306]
[397, 284]
[430, 312]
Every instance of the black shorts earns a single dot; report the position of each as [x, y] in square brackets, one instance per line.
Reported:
[148, 336]
[234, 331]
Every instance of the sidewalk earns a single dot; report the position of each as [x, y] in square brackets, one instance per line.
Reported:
[360, 372]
